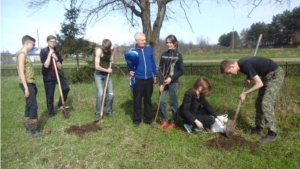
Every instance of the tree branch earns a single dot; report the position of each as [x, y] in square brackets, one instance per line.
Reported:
[187, 19]
[255, 6]
[37, 4]
[230, 2]
[132, 7]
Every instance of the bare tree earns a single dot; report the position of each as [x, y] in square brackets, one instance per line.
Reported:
[151, 14]
[202, 42]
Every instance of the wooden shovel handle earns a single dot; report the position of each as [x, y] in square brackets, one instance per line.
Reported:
[239, 105]
[104, 93]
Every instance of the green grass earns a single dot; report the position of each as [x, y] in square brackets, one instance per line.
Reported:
[209, 55]
[120, 145]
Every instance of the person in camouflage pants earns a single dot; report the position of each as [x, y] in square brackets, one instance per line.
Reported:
[268, 78]
[264, 104]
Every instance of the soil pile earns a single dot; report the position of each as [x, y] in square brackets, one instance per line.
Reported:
[81, 130]
[235, 142]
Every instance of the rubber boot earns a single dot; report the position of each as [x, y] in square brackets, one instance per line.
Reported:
[26, 124]
[33, 128]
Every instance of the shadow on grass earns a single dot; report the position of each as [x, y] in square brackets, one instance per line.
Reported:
[43, 120]
[127, 107]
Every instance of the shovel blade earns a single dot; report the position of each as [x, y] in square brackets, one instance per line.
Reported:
[66, 113]
[230, 127]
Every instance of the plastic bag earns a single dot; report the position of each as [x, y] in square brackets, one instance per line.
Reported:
[132, 61]
[218, 127]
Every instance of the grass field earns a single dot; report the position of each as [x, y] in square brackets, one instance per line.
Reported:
[120, 145]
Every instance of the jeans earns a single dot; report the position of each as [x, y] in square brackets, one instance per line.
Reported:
[31, 104]
[100, 79]
[50, 84]
[142, 91]
[173, 90]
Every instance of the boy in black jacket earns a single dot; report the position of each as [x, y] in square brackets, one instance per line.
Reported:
[49, 75]
[170, 69]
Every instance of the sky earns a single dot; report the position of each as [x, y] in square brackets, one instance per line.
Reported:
[213, 21]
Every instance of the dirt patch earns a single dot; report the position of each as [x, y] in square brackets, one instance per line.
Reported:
[235, 142]
[81, 130]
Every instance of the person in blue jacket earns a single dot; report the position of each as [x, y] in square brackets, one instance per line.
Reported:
[145, 75]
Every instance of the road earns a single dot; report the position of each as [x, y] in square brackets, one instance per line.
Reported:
[185, 61]
[220, 60]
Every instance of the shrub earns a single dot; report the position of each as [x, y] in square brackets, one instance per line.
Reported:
[200, 52]
[84, 74]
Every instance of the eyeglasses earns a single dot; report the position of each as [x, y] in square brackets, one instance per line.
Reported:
[52, 41]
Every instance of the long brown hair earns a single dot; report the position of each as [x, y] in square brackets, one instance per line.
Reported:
[173, 39]
[202, 81]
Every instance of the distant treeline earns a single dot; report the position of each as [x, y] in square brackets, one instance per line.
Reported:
[283, 30]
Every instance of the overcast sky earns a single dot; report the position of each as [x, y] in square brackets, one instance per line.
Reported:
[213, 21]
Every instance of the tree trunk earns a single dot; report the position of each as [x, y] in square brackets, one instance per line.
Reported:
[152, 35]
[145, 17]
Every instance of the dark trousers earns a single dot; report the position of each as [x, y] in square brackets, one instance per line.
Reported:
[142, 90]
[50, 85]
[203, 116]
[31, 104]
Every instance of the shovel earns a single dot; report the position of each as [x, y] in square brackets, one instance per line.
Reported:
[232, 123]
[65, 110]
[104, 94]
[154, 121]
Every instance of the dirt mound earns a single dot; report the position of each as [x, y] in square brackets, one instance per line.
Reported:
[81, 130]
[235, 142]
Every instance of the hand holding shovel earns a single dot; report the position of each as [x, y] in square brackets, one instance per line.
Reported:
[232, 123]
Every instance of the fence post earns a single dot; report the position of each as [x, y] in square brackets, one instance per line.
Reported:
[118, 67]
[286, 69]
[191, 69]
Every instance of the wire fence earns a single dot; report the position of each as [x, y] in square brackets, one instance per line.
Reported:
[290, 70]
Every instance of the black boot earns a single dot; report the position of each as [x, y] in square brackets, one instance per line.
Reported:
[26, 124]
[33, 129]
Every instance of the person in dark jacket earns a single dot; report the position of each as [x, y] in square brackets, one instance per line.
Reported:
[145, 75]
[195, 110]
[170, 69]
[268, 78]
[49, 75]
